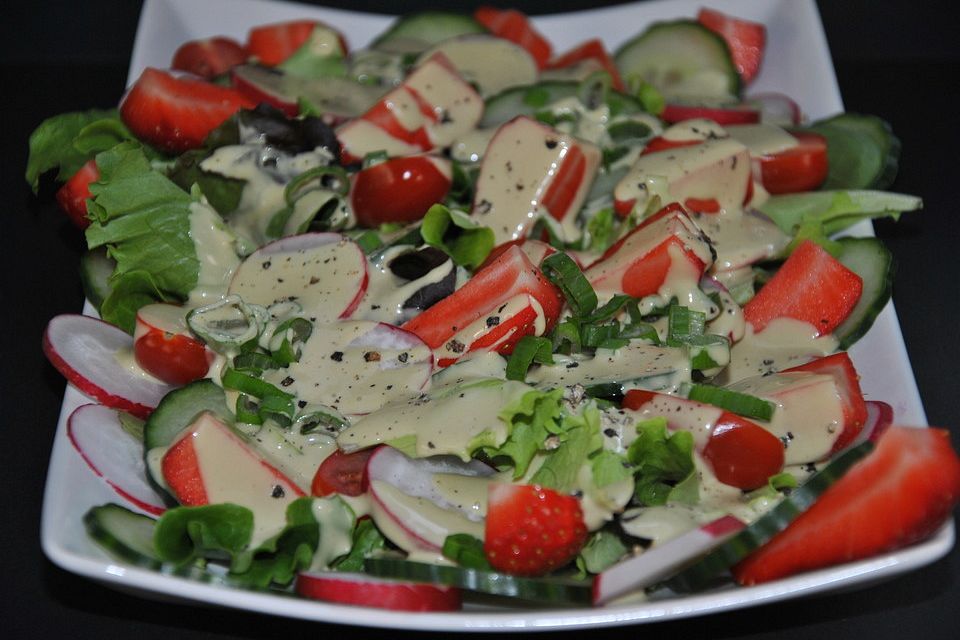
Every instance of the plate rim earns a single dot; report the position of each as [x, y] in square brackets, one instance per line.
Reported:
[149, 583]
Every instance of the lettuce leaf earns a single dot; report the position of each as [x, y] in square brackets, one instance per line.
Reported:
[531, 420]
[144, 220]
[834, 211]
[223, 531]
[664, 463]
[603, 550]
[66, 141]
[581, 438]
[457, 235]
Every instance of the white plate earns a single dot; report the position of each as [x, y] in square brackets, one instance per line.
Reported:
[797, 64]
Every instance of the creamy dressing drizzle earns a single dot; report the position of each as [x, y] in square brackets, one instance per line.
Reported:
[783, 343]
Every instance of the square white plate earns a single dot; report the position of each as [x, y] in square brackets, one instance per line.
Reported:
[797, 64]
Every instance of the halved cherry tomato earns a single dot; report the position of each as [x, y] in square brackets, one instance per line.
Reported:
[811, 286]
[398, 189]
[800, 168]
[174, 358]
[590, 50]
[739, 114]
[274, 43]
[209, 57]
[747, 40]
[742, 453]
[343, 473]
[514, 26]
[847, 382]
[72, 196]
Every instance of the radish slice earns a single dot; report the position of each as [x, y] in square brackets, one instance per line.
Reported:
[325, 273]
[363, 590]
[663, 560]
[776, 108]
[411, 509]
[90, 353]
[357, 366]
[879, 417]
[113, 454]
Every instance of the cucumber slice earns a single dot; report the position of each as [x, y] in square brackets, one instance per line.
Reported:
[553, 590]
[178, 409]
[862, 151]
[527, 101]
[872, 261]
[96, 267]
[704, 572]
[417, 32]
[684, 60]
[124, 534]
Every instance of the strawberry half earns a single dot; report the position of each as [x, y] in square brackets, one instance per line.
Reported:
[175, 113]
[209, 57]
[531, 530]
[747, 40]
[898, 495]
[72, 196]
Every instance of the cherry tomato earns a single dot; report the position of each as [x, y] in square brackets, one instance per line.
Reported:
[72, 196]
[210, 57]
[398, 190]
[800, 168]
[343, 473]
[742, 453]
[174, 358]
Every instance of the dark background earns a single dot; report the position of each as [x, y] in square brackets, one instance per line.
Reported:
[897, 59]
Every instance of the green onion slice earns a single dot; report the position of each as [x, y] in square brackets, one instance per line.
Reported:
[561, 270]
[741, 404]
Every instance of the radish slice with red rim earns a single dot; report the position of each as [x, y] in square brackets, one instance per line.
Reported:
[325, 273]
[409, 506]
[357, 366]
[367, 591]
[661, 561]
[776, 108]
[113, 454]
[879, 417]
[91, 354]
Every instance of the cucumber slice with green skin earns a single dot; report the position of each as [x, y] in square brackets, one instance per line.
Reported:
[178, 409]
[873, 262]
[417, 32]
[527, 101]
[557, 591]
[95, 271]
[124, 534]
[705, 572]
[862, 151]
[684, 60]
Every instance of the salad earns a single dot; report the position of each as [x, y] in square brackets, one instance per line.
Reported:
[348, 292]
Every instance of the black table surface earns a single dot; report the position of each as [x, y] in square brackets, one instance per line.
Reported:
[59, 56]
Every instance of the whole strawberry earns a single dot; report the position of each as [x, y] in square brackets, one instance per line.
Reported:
[532, 530]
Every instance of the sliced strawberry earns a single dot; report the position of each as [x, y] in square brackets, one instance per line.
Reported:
[514, 26]
[209, 57]
[271, 44]
[594, 51]
[898, 495]
[747, 40]
[176, 113]
[73, 195]
[531, 530]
